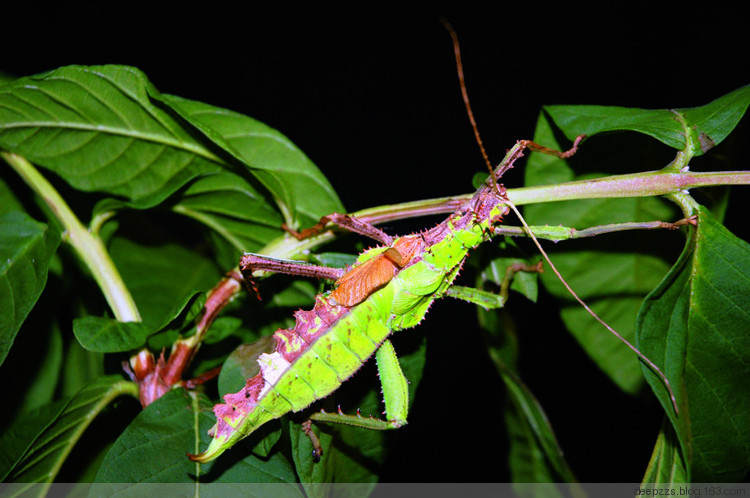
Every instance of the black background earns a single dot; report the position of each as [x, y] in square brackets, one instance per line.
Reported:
[372, 97]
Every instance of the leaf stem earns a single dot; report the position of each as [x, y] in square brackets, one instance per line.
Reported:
[645, 184]
[88, 246]
[558, 233]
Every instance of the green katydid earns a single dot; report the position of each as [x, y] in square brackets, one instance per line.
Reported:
[389, 288]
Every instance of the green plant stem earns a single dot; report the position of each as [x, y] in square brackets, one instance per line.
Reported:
[646, 184]
[557, 233]
[668, 181]
[88, 246]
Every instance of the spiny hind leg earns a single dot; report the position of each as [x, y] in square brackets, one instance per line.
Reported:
[346, 222]
[395, 389]
[251, 262]
[491, 300]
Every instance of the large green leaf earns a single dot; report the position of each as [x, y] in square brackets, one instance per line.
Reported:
[97, 128]
[162, 279]
[612, 273]
[106, 335]
[300, 189]
[36, 446]
[153, 449]
[150, 273]
[695, 327]
[26, 247]
[229, 205]
[535, 455]
[710, 123]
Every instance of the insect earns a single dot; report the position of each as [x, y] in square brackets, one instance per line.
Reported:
[389, 288]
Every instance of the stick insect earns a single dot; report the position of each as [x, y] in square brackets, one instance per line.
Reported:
[389, 288]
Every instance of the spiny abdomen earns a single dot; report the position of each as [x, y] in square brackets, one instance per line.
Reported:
[310, 361]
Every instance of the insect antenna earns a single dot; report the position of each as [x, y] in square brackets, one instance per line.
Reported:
[563, 155]
[465, 95]
[591, 312]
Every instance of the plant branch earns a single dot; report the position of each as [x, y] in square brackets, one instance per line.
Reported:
[558, 233]
[88, 246]
[650, 183]
[646, 184]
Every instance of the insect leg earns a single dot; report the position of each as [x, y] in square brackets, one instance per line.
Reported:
[395, 389]
[317, 451]
[491, 300]
[346, 222]
[252, 262]
[394, 383]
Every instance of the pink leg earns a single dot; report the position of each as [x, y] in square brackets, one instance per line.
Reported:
[346, 222]
[317, 449]
[251, 262]
[528, 144]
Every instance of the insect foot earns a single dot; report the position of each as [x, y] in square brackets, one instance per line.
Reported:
[317, 451]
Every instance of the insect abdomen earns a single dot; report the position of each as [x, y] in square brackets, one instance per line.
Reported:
[327, 345]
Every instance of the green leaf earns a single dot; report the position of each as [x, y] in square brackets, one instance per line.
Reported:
[694, 326]
[229, 205]
[299, 188]
[96, 127]
[612, 273]
[46, 374]
[162, 279]
[153, 449]
[40, 443]
[523, 282]
[8, 200]
[711, 123]
[80, 367]
[221, 328]
[667, 465]
[299, 293]
[26, 247]
[106, 335]
[316, 477]
[535, 455]
[20, 436]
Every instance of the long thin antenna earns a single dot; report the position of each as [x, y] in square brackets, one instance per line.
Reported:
[642, 356]
[465, 95]
[564, 155]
